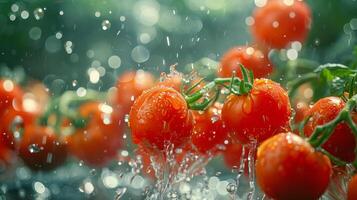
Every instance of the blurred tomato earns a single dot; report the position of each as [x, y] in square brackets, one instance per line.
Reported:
[100, 139]
[250, 57]
[10, 95]
[41, 148]
[280, 22]
[130, 85]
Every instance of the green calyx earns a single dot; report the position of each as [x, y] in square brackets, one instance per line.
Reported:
[208, 94]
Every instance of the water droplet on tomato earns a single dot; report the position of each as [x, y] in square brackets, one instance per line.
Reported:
[34, 148]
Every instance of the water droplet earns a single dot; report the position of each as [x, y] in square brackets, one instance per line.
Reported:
[106, 25]
[231, 188]
[119, 193]
[140, 54]
[38, 13]
[34, 148]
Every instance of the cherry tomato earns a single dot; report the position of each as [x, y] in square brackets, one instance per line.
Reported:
[280, 22]
[342, 142]
[10, 95]
[288, 167]
[160, 117]
[130, 85]
[232, 155]
[251, 57]
[208, 129]
[13, 122]
[175, 80]
[352, 188]
[258, 115]
[99, 141]
[41, 149]
[301, 109]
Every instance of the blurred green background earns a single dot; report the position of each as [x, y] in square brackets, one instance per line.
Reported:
[68, 40]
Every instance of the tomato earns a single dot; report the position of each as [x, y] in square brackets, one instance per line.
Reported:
[130, 85]
[99, 141]
[7, 157]
[288, 167]
[13, 122]
[280, 22]
[301, 109]
[172, 80]
[342, 142]
[232, 155]
[352, 188]
[160, 117]
[208, 129]
[41, 149]
[251, 57]
[258, 115]
[10, 95]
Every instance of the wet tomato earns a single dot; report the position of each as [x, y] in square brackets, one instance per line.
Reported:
[288, 168]
[99, 141]
[208, 129]
[232, 155]
[258, 115]
[342, 142]
[130, 85]
[251, 57]
[301, 109]
[280, 22]
[160, 117]
[10, 95]
[352, 188]
[41, 149]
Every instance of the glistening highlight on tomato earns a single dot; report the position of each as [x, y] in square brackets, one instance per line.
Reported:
[288, 167]
[160, 117]
[261, 113]
[280, 22]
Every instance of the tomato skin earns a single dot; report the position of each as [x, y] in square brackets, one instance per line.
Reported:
[10, 95]
[277, 24]
[99, 141]
[208, 129]
[232, 155]
[258, 115]
[288, 168]
[301, 110]
[160, 115]
[342, 141]
[130, 85]
[50, 151]
[352, 188]
[251, 57]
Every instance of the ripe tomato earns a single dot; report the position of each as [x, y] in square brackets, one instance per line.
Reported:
[99, 141]
[258, 115]
[232, 155]
[10, 95]
[352, 188]
[41, 149]
[130, 85]
[301, 109]
[7, 157]
[280, 22]
[172, 80]
[251, 57]
[13, 122]
[342, 142]
[160, 117]
[288, 167]
[208, 129]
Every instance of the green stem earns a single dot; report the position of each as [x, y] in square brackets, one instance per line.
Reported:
[334, 159]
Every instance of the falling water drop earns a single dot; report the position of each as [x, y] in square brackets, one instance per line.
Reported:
[38, 13]
[106, 25]
[119, 193]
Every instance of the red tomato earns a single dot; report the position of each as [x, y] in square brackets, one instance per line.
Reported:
[41, 148]
[130, 85]
[280, 22]
[99, 141]
[7, 156]
[172, 80]
[342, 142]
[258, 115]
[232, 155]
[301, 109]
[208, 129]
[251, 57]
[352, 189]
[288, 167]
[14, 121]
[10, 95]
[160, 116]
